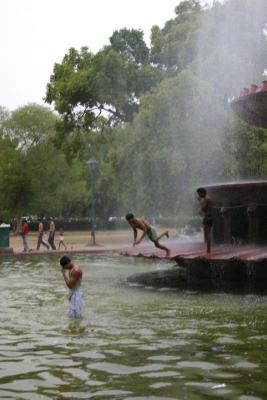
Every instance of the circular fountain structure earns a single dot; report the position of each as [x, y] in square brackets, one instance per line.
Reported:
[251, 105]
[248, 219]
[240, 215]
[240, 212]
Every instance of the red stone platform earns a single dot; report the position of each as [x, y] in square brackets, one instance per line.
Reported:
[182, 251]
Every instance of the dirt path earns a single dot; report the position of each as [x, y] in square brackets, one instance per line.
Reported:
[81, 241]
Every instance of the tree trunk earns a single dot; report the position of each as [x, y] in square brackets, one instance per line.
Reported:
[18, 220]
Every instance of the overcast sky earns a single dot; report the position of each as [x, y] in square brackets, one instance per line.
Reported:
[34, 34]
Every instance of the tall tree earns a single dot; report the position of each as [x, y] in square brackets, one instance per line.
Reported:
[108, 84]
[166, 107]
[174, 47]
[35, 176]
[30, 125]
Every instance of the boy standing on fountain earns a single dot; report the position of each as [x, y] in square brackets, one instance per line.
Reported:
[147, 230]
[206, 210]
[73, 281]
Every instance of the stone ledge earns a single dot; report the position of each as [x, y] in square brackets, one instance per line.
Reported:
[6, 251]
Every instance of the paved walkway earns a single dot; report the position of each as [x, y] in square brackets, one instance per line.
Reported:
[77, 250]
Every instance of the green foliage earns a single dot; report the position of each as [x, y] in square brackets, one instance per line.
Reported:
[245, 148]
[184, 133]
[166, 107]
[187, 7]
[30, 125]
[174, 47]
[85, 86]
[16, 186]
[62, 189]
[4, 115]
[35, 177]
[157, 119]
[130, 45]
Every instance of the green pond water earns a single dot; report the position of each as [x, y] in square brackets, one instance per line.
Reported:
[132, 343]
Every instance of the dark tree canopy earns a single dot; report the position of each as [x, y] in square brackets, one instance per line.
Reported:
[35, 176]
[174, 47]
[130, 45]
[109, 83]
[29, 125]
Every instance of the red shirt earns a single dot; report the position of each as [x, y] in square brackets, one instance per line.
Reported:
[25, 229]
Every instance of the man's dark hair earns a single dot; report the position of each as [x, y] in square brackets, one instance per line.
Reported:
[64, 261]
[129, 216]
[202, 192]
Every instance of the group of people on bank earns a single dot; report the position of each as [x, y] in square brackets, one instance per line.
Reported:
[50, 243]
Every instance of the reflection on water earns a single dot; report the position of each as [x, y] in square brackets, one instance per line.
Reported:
[132, 343]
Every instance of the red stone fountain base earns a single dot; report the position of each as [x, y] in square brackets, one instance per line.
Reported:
[227, 267]
[182, 251]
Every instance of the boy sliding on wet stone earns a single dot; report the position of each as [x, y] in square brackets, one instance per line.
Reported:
[147, 230]
[73, 281]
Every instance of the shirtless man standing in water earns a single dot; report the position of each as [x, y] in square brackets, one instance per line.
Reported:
[206, 210]
[147, 230]
[73, 282]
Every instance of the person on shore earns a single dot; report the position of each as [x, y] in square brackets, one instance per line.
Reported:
[51, 237]
[206, 210]
[73, 282]
[24, 235]
[41, 235]
[61, 240]
[144, 226]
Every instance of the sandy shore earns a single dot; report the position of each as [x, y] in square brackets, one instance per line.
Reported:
[81, 241]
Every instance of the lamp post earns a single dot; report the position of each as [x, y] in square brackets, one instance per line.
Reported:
[92, 169]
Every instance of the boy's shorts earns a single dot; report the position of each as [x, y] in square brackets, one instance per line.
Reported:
[207, 220]
[152, 234]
